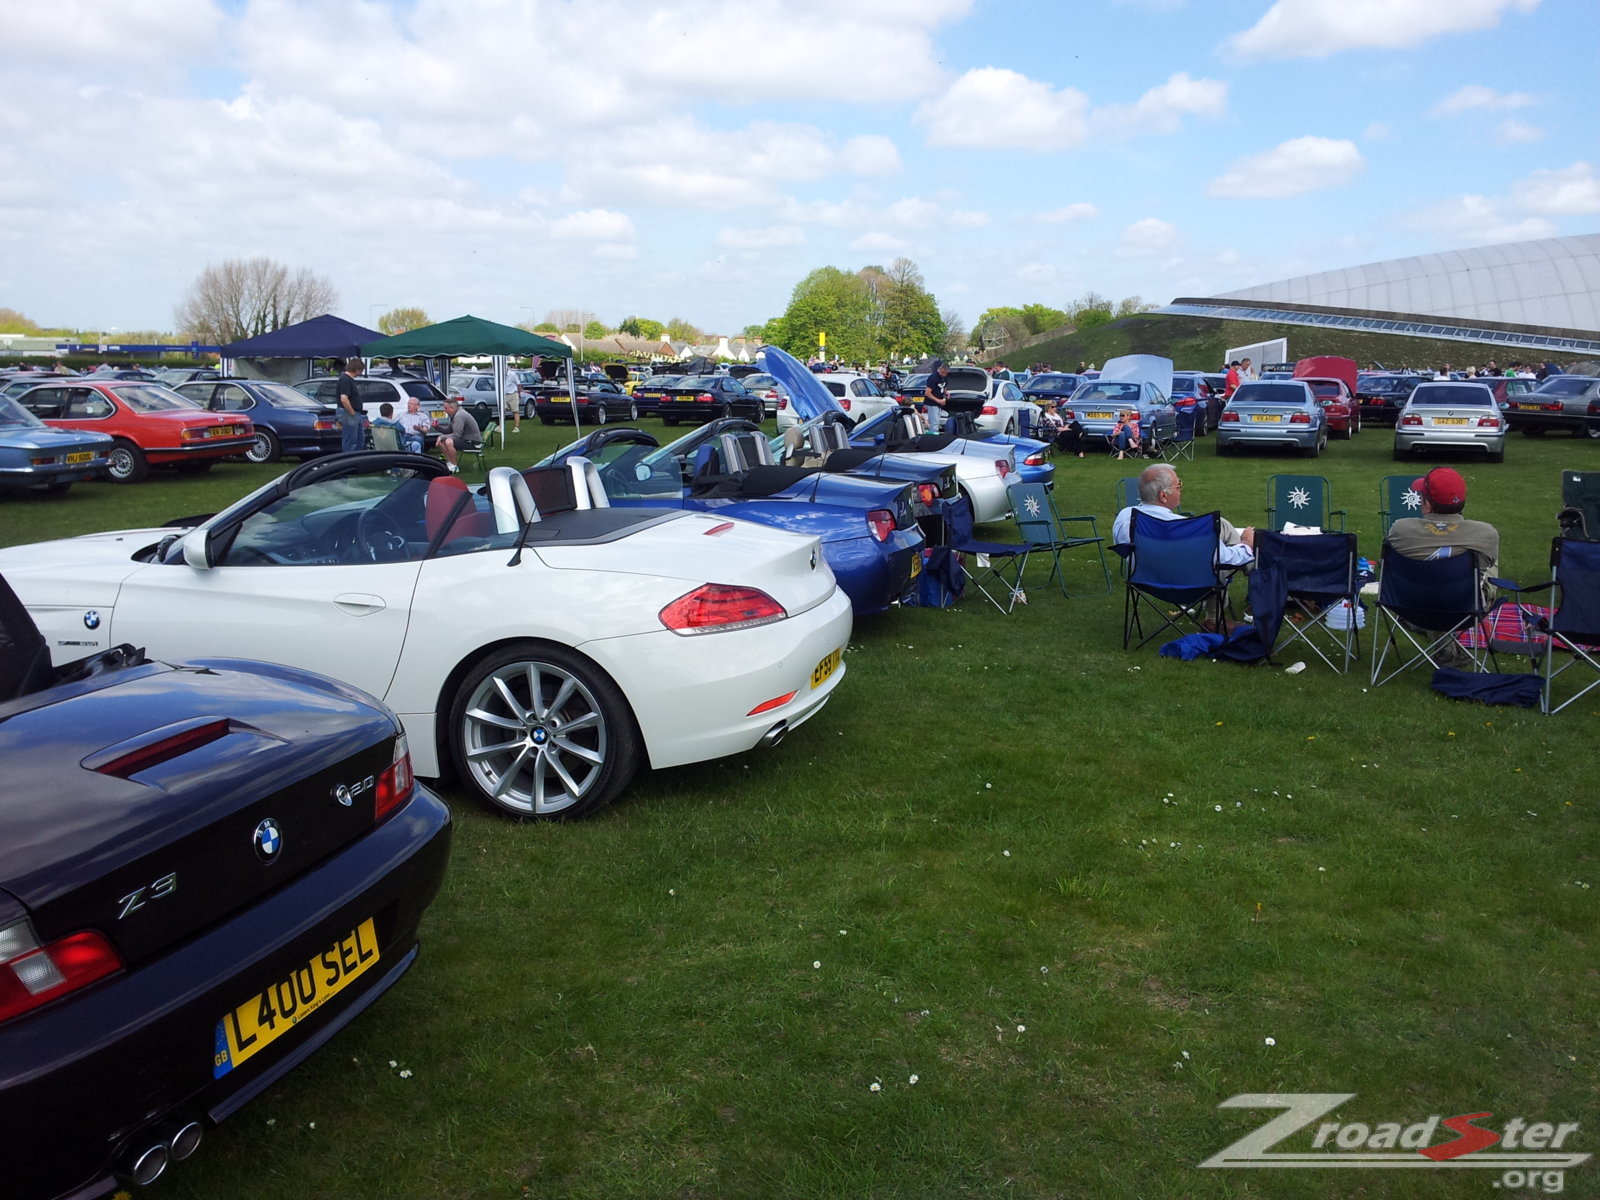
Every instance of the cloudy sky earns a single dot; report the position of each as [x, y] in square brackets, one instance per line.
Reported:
[696, 159]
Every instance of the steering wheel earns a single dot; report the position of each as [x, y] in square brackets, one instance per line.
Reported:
[378, 537]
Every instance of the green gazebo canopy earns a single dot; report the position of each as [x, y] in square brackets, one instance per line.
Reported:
[465, 335]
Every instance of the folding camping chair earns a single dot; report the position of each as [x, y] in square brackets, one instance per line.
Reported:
[1034, 511]
[1173, 564]
[1396, 499]
[1181, 443]
[1423, 607]
[1301, 500]
[995, 564]
[1573, 629]
[1580, 493]
[476, 452]
[1319, 572]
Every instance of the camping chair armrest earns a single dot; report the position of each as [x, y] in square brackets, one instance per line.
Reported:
[1089, 519]
[1505, 585]
[1341, 513]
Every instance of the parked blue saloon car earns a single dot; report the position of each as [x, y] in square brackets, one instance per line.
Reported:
[1280, 413]
[33, 455]
[868, 527]
[286, 420]
[206, 871]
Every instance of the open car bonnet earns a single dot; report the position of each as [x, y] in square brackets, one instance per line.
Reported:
[1140, 368]
[808, 396]
[1328, 366]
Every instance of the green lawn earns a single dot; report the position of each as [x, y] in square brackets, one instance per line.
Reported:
[1082, 896]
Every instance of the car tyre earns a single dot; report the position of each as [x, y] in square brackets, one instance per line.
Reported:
[265, 449]
[1400, 455]
[1011, 427]
[538, 731]
[601, 414]
[633, 412]
[127, 464]
[1592, 432]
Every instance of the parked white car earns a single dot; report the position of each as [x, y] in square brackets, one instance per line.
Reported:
[545, 645]
[996, 405]
[859, 396]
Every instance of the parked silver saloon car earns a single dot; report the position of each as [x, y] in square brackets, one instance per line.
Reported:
[1273, 413]
[1450, 416]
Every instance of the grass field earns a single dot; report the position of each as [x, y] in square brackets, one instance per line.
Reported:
[1010, 918]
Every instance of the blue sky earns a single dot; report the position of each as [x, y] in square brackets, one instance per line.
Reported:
[696, 160]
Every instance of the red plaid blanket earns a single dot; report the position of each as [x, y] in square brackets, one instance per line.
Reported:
[1510, 630]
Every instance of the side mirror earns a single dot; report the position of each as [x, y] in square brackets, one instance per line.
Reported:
[641, 472]
[194, 550]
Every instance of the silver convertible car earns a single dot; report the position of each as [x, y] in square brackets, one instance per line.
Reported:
[1273, 413]
[1450, 416]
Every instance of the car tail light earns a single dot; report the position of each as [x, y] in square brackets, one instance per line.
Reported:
[1300, 419]
[990, 410]
[844, 402]
[706, 398]
[1551, 406]
[141, 758]
[1488, 422]
[396, 784]
[881, 522]
[714, 607]
[1068, 415]
[927, 494]
[1228, 418]
[1594, 408]
[1037, 459]
[1411, 419]
[1002, 467]
[782, 404]
[32, 975]
[324, 426]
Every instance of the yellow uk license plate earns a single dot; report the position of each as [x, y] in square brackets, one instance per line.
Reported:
[1449, 420]
[1268, 418]
[264, 1018]
[826, 668]
[561, 399]
[1099, 416]
[82, 456]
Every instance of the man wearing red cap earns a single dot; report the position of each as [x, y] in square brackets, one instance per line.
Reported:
[1441, 530]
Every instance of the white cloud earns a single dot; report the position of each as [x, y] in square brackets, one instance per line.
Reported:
[768, 238]
[1378, 131]
[594, 225]
[992, 108]
[1479, 219]
[1570, 191]
[149, 33]
[619, 250]
[1303, 164]
[1475, 97]
[1080, 211]
[871, 154]
[1319, 28]
[1149, 236]
[880, 243]
[1162, 108]
[1511, 131]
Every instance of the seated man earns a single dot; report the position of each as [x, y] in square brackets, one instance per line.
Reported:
[385, 420]
[1160, 493]
[458, 432]
[1441, 531]
[414, 427]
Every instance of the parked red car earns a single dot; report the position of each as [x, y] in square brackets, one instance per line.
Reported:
[1333, 379]
[151, 423]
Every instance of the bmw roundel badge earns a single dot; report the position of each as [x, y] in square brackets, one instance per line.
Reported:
[91, 620]
[269, 840]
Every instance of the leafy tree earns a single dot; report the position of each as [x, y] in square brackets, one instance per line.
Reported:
[1091, 318]
[594, 331]
[680, 330]
[754, 331]
[833, 302]
[569, 320]
[11, 321]
[1041, 317]
[243, 298]
[955, 333]
[912, 326]
[398, 320]
[547, 327]
[1131, 306]
[642, 327]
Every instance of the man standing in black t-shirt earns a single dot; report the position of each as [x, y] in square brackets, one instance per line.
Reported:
[352, 435]
[937, 392]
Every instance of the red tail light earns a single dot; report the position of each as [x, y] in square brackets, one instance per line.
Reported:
[881, 522]
[1552, 406]
[989, 410]
[714, 607]
[1411, 419]
[1037, 459]
[927, 493]
[1300, 419]
[142, 758]
[1229, 418]
[844, 402]
[1594, 408]
[32, 975]
[1488, 422]
[1002, 467]
[782, 404]
[1068, 415]
[322, 426]
[706, 398]
[396, 784]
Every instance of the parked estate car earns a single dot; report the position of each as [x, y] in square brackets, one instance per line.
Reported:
[32, 455]
[373, 391]
[707, 398]
[286, 421]
[867, 527]
[1278, 412]
[1562, 403]
[150, 424]
[1450, 416]
[598, 403]
[547, 650]
[206, 870]
[1382, 396]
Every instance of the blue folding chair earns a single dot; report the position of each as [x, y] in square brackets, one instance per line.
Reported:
[1301, 500]
[997, 565]
[1041, 526]
[1424, 605]
[1572, 631]
[1181, 443]
[1319, 573]
[1175, 572]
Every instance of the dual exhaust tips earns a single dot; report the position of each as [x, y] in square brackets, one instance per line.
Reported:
[174, 1142]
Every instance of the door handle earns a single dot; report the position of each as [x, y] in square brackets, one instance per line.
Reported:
[359, 604]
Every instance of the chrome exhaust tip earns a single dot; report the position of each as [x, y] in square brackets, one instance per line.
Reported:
[773, 736]
[144, 1167]
[183, 1140]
